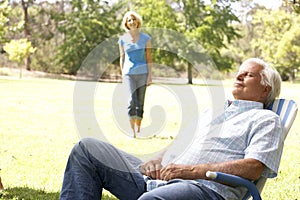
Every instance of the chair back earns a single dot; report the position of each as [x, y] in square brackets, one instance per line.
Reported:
[287, 111]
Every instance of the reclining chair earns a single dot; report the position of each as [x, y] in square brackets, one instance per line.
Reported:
[287, 110]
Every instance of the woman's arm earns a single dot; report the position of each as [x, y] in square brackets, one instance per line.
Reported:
[149, 61]
[122, 56]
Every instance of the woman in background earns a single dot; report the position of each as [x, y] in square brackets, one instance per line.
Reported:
[135, 63]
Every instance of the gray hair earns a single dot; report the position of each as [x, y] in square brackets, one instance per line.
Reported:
[269, 77]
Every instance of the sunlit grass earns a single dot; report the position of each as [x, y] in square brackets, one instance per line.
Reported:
[38, 130]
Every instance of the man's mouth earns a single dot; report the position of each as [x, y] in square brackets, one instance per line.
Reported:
[238, 84]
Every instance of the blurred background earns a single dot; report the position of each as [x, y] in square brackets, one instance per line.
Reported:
[55, 37]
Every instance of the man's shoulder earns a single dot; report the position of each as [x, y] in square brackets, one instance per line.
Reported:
[265, 114]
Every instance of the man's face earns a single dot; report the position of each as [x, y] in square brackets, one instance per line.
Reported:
[247, 85]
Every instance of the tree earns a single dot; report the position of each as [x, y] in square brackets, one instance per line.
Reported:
[18, 50]
[288, 51]
[159, 20]
[7, 26]
[276, 34]
[202, 22]
[84, 26]
[5, 10]
[45, 36]
[210, 24]
[25, 5]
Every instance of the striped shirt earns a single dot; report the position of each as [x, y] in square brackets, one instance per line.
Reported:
[242, 130]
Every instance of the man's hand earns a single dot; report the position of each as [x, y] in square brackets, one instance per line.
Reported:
[173, 171]
[152, 168]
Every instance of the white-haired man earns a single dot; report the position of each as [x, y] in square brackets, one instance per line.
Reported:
[248, 145]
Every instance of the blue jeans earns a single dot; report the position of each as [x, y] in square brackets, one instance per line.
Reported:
[136, 85]
[94, 165]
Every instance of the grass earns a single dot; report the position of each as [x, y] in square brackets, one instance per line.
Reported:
[38, 130]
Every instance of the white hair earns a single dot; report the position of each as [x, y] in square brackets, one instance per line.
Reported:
[269, 77]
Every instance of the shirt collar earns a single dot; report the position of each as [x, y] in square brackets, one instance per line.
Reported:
[244, 104]
[236, 107]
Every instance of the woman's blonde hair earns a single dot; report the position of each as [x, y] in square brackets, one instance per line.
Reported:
[133, 14]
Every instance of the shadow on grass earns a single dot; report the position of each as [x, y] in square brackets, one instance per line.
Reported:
[26, 193]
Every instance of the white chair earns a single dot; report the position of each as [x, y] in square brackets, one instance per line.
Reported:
[287, 110]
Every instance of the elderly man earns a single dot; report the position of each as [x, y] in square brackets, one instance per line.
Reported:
[246, 143]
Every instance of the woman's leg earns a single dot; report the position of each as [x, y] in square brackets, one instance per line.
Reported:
[94, 165]
[130, 85]
[141, 81]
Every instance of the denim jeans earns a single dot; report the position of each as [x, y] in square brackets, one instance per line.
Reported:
[94, 165]
[136, 85]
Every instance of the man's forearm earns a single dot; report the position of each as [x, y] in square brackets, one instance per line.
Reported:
[247, 168]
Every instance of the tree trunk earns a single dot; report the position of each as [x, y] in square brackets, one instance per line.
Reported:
[28, 62]
[26, 30]
[190, 73]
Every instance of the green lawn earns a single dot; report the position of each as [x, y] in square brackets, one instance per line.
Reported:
[38, 130]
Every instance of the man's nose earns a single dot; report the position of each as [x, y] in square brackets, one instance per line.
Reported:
[240, 76]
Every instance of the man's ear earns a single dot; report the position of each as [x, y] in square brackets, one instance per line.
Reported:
[267, 90]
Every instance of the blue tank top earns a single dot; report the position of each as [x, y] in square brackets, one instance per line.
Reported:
[135, 58]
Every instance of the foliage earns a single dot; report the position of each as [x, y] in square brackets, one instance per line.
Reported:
[287, 55]
[160, 15]
[205, 26]
[87, 24]
[44, 36]
[211, 26]
[66, 32]
[280, 48]
[271, 35]
[18, 50]
[6, 24]
[5, 9]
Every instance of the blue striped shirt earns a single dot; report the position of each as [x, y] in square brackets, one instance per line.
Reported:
[242, 130]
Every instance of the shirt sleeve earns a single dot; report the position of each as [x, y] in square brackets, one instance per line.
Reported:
[146, 37]
[120, 41]
[265, 143]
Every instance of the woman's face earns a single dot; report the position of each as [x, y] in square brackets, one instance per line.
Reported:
[132, 22]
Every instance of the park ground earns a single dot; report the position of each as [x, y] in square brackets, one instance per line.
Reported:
[38, 130]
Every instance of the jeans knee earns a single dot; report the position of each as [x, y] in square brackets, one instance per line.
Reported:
[147, 196]
[88, 141]
[83, 145]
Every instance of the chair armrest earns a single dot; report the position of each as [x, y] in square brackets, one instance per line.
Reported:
[235, 181]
